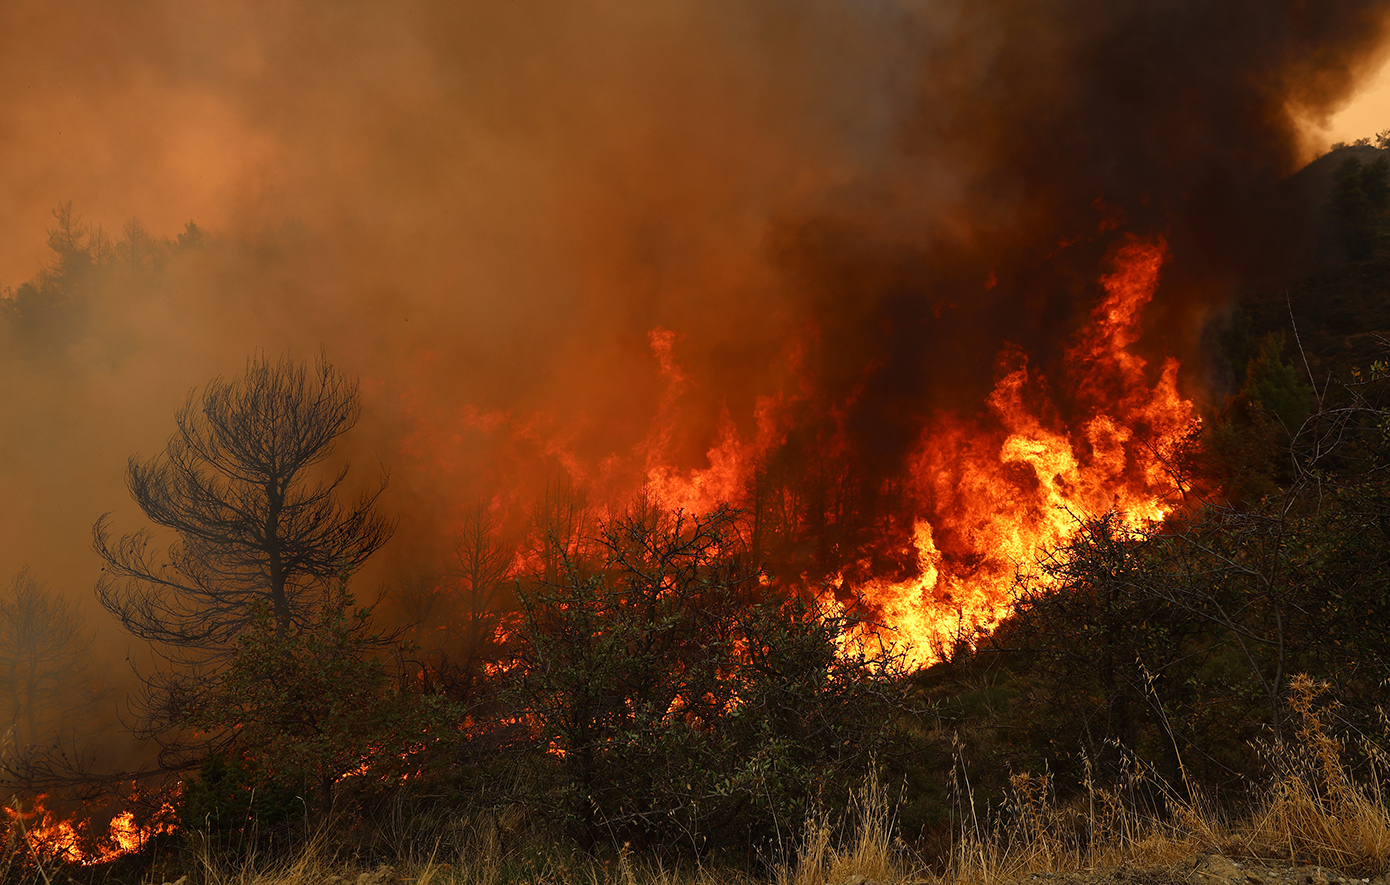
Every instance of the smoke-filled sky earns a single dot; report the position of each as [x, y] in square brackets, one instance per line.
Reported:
[485, 209]
[1365, 114]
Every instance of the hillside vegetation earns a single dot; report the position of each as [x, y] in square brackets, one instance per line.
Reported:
[645, 704]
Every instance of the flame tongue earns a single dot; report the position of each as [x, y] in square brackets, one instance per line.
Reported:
[994, 490]
[979, 496]
[68, 840]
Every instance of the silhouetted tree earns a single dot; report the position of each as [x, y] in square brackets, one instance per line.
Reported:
[43, 312]
[482, 564]
[1360, 195]
[255, 521]
[454, 616]
[44, 673]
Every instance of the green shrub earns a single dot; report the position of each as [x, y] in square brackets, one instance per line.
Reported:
[677, 702]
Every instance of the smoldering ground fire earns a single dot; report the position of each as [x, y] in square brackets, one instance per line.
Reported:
[913, 284]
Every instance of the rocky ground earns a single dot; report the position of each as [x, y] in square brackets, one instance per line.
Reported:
[1205, 869]
[1211, 869]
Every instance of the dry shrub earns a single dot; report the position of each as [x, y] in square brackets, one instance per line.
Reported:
[1103, 829]
[1316, 812]
[313, 865]
[869, 854]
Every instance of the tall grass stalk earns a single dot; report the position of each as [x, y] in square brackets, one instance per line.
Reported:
[1315, 811]
[867, 855]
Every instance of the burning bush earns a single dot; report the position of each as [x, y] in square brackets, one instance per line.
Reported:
[678, 701]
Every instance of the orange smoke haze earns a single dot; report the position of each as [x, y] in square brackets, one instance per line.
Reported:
[911, 282]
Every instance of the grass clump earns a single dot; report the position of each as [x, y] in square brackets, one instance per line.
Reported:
[1316, 811]
[868, 854]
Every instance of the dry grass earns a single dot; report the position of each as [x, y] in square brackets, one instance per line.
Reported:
[313, 865]
[472, 855]
[869, 855]
[1100, 832]
[1315, 812]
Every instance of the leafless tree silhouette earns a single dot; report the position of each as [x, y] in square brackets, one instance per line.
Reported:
[45, 678]
[255, 521]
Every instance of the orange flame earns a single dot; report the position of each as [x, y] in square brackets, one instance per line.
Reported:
[999, 489]
[983, 493]
[726, 478]
[67, 841]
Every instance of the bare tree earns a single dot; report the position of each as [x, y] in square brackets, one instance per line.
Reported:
[255, 521]
[454, 615]
[482, 566]
[45, 678]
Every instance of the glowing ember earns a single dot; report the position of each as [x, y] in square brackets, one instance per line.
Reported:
[66, 841]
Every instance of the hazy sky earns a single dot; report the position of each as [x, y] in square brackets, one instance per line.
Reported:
[1367, 113]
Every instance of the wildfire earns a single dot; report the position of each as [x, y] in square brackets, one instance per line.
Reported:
[990, 491]
[981, 494]
[997, 489]
[726, 478]
[63, 840]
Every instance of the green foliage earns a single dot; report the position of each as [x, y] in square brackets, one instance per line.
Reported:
[1360, 196]
[1096, 647]
[314, 705]
[1276, 388]
[678, 703]
[1345, 553]
[1247, 445]
[233, 796]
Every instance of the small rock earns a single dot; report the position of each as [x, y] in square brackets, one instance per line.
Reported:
[1214, 868]
[1311, 876]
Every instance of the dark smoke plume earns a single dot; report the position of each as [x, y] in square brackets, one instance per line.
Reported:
[1067, 126]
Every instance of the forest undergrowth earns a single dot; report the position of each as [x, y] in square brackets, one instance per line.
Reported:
[648, 703]
[1313, 812]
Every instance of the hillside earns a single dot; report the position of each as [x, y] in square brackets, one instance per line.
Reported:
[1337, 303]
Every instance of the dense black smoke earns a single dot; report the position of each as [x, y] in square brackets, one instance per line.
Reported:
[1066, 128]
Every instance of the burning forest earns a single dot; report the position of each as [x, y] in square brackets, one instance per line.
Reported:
[648, 421]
